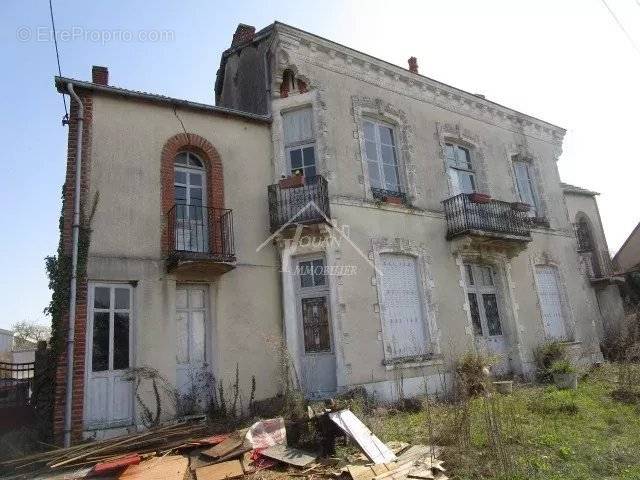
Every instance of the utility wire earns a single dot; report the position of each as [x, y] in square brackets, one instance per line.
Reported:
[624, 30]
[55, 42]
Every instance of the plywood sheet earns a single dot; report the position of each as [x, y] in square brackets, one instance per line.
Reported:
[220, 471]
[227, 446]
[171, 467]
[290, 455]
[371, 445]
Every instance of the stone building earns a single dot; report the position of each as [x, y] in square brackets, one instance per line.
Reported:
[334, 221]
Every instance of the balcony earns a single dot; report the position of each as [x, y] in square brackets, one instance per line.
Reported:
[200, 240]
[303, 202]
[492, 222]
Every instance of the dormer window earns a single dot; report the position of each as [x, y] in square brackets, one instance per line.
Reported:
[460, 169]
[382, 156]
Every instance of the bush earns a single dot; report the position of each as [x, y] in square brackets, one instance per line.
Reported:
[561, 366]
[472, 371]
[545, 356]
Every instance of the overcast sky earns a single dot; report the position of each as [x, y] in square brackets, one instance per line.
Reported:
[564, 61]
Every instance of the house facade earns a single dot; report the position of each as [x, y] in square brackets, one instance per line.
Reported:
[334, 221]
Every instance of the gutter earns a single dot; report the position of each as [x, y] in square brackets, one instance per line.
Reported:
[74, 267]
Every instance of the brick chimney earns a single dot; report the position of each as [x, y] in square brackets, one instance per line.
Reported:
[244, 33]
[413, 64]
[100, 75]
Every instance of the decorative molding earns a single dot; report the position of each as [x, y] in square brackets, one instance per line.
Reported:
[337, 58]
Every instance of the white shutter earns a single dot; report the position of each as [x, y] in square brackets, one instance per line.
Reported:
[551, 301]
[298, 126]
[404, 323]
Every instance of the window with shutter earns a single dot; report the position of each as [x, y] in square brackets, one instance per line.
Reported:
[524, 184]
[299, 141]
[460, 168]
[382, 156]
[551, 303]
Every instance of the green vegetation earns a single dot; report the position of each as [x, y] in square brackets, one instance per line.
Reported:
[546, 433]
[562, 366]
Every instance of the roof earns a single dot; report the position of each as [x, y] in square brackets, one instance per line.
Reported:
[61, 86]
[626, 242]
[268, 30]
[568, 188]
[5, 332]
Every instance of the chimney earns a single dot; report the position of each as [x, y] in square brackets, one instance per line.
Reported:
[413, 65]
[100, 75]
[244, 33]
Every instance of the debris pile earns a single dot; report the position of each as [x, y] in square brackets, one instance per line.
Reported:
[187, 450]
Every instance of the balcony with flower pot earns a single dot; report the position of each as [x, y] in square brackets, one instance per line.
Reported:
[298, 200]
[481, 221]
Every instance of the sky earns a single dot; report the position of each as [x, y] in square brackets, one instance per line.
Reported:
[564, 61]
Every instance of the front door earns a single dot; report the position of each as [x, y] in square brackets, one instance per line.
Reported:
[109, 394]
[485, 315]
[191, 345]
[191, 209]
[550, 302]
[318, 355]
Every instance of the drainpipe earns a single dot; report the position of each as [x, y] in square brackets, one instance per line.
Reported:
[74, 265]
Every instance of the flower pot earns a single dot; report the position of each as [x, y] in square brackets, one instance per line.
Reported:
[566, 381]
[393, 200]
[504, 387]
[479, 198]
[520, 207]
[292, 182]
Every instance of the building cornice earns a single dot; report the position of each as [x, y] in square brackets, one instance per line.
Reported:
[333, 56]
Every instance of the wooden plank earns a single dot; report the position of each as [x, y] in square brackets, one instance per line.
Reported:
[290, 455]
[171, 467]
[371, 445]
[115, 464]
[225, 447]
[220, 471]
[360, 472]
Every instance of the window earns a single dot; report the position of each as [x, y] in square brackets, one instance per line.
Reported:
[460, 168]
[299, 141]
[382, 156]
[483, 300]
[402, 307]
[524, 184]
[111, 315]
[313, 298]
[551, 302]
[583, 234]
[311, 273]
[190, 229]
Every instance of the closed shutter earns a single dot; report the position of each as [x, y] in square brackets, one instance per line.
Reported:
[551, 303]
[404, 323]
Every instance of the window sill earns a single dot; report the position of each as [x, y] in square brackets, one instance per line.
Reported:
[413, 362]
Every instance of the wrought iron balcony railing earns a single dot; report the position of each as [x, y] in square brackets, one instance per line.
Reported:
[304, 204]
[201, 231]
[495, 217]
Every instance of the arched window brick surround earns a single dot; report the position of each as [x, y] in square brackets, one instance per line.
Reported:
[215, 181]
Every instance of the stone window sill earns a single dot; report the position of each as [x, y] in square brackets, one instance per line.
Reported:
[413, 362]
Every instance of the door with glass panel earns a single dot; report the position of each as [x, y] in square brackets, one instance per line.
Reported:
[318, 355]
[485, 314]
[108, 393]
[191, 345]
[191, 229]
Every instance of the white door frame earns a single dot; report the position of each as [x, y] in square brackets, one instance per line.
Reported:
[109, 373]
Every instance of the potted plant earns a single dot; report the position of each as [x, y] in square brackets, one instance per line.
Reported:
[476, 197]
[520, 207]
[394, 199]
[293, 181]
[564, 374]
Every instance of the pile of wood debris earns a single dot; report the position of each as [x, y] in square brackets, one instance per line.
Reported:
[185, 450]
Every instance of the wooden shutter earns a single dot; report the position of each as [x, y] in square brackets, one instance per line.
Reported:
[551, 303]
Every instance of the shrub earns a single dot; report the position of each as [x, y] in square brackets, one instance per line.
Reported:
[545, 356]
[561, 366]
[472, 371]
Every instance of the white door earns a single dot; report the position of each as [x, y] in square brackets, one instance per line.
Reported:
[191, 350]
[485, 315]
[551, 304]
[318, 355]
[108, 394]
[190, 197]
[402, 312]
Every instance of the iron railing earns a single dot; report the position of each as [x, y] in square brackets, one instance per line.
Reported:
[305, 204]
[495, 216]
[194, 229]
[16, 383]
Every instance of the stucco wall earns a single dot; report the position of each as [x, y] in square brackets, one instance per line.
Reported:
[126, 239]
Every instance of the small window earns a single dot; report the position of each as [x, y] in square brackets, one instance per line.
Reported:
[311, 273]
[483, 300]
[382, 156]
[460, 168]
[524, 183]
[315, 320]
[299, 141]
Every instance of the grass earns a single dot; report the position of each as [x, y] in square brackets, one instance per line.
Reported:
[548, 433]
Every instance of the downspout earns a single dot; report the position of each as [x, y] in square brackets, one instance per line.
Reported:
[74, 265]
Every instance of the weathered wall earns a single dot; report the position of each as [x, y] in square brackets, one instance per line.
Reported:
[126, 238]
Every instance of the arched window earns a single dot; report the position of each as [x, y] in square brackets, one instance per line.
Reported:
[587, 247]
[190, 198]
